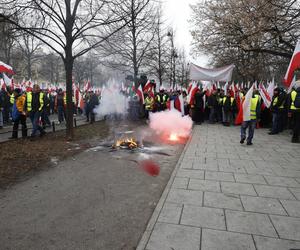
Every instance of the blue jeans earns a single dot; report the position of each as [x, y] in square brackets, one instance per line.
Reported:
[61, 113]
[275, 122]
[1, 118]
[35, 117]
[248, 124]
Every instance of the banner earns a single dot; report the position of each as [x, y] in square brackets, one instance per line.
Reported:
[223, 74]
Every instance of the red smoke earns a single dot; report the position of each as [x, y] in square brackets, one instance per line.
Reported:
[150, 167]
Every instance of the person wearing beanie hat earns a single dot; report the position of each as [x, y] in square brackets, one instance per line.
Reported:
[18, 114]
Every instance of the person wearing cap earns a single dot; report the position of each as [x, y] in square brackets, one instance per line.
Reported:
[278, 109]
[19, 114]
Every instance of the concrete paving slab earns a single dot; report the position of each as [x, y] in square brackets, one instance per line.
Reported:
[220, 200]
[222, 240]
[274, 192]
[262, 205]
[266, 243]
[167, 236]
[237, 188]
[204, 185]
[203, 217]
[287, 227]
[292, 207]
[251, 223]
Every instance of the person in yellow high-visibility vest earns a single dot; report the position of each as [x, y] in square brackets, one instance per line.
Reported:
[278, 107]
[295, 112]
[255, 108]
[34, 106]
[149, 103]
[228, 107]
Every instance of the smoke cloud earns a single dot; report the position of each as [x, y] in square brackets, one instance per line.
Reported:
[171, 122]
[112, 102]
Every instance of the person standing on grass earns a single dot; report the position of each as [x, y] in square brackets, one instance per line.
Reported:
[19, 114]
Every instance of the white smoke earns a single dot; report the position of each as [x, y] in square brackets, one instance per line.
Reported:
[171, 122]
[112, 102]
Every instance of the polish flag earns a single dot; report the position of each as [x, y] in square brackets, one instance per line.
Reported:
[179, 104]
[294, 64]
[271, 88]
[80, 101]
[291, 85]
[192, 93]
[264, 95]
[2, 84]
[87, 86]
[7, 80]
[139, 92]
[245, 106]
[148, 86]
[4, 68]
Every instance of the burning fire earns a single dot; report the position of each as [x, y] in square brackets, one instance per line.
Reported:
[129, 143]
[173, 137]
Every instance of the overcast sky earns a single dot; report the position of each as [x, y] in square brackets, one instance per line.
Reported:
[177, 13]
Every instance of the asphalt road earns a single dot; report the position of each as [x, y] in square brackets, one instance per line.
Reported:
[100, 199]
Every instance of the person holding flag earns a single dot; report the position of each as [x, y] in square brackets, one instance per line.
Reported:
[249, 113]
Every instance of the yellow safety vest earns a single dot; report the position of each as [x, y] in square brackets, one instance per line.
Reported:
[231, 100]
[148, 103]
[12, 98]
[293, 98]
[29, 101]
[254, 102]
[65, 98]
[275, 102]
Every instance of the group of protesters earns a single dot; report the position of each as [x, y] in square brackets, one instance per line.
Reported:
[214, 105]
[16, 105]
[219, 105]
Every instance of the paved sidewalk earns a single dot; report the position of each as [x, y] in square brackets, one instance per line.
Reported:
[223, 195]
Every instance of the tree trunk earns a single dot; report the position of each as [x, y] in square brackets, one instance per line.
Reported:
[28, 66]
[69, 61]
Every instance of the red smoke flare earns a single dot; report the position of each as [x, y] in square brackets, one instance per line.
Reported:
[150, 167]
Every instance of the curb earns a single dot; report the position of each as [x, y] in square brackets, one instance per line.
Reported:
[151, 223]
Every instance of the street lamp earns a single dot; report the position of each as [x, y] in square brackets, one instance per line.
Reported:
[173, 58]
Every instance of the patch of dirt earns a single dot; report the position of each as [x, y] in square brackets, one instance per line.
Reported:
[21, 157]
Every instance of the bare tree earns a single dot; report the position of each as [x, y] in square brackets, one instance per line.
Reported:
[127, 50]
[159, 57]
[29, 46]
[7, 41]
[247, 32]
[71, 28]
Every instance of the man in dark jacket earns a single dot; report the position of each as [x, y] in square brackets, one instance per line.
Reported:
[93, 102]
[229, 106]
[278, 111]
[213, 107]
[198, 107]
[34, 106]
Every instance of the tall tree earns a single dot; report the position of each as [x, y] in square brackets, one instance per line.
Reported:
[247, 31]
[127, 50]
[71, 28]
[159, 56]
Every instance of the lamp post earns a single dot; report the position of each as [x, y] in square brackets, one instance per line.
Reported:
[173, 59]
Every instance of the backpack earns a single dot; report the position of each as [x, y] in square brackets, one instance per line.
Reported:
[15, 114]
[297, 100]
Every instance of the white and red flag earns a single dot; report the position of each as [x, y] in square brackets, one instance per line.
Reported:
[245, 107]
[271, 88]
[294, 64]
[140, 93]
[192, 92]
[4, 68]
[264, 95]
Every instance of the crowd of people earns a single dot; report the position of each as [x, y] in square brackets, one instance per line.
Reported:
[223, 106]
[36, 104]
[215, 105]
